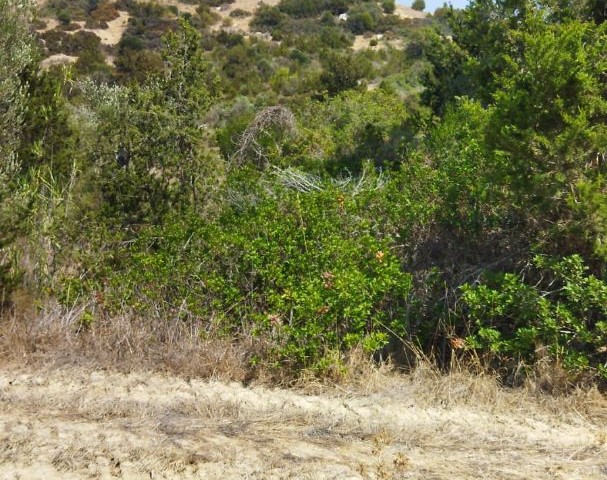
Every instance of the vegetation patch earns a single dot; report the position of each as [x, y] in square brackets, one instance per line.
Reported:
[285, 193]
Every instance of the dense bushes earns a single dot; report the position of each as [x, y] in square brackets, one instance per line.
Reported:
[296, 267]
[318, 199]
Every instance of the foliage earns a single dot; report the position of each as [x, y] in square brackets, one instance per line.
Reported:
[283, 187]
[419, 5]
[17, 55]
[562, 315]
[297, 267]
[342, 72]
[388, 6]
[467, 178]
[363, 18]
[548, 129]
[158, 126]
[267, 18]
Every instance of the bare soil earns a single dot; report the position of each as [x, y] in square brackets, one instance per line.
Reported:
[74, 423]
[408, 12]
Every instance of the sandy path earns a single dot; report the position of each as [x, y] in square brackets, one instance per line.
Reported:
[74, 423]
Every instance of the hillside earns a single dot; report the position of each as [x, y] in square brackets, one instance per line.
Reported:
[225, 17]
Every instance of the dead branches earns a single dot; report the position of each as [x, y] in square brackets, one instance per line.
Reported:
[266, 131]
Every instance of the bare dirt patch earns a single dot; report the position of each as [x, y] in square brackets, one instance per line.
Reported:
[116, 28]
[80, 423]
[363, 43]
[408, 12]
[51, 24]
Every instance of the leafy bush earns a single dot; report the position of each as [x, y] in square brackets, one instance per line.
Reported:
[389, 6]
[267, 19]
[312, 8]
[17, 58]
[361, 21]
[419, 5]
[299, 268]
[240, 13]
[64, 17]
[562, 315]
[342, 72]
[207, 16]
[158, 123]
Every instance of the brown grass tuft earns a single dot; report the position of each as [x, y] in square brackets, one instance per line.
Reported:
[58, 336]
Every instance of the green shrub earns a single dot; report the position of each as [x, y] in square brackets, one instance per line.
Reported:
[389, 6]
[207, 16]
[559, 311]
[267, 19]
[299, 269]
[17, 60]
[419, 5]
[64, 17]
[360, 22]
[343, 72]
[240, 13]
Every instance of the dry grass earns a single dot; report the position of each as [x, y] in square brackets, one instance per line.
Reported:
[135, 399]
[80, 422]
[57, 337]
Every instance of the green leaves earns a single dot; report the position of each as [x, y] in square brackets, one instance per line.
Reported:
[171, 166]
[309, 271]
[304, 271]
[564, 313]
[17, 57]
[342, 72]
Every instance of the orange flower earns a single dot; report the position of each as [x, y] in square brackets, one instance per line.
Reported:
[328, 279]
[457, 343]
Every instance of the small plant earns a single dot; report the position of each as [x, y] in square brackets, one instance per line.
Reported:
[64, 17]
[389, 6]
[207, 16]
[240, 13]
[104, 12]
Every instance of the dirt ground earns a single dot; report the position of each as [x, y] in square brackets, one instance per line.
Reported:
[73, 423]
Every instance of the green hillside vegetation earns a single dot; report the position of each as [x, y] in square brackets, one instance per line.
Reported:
[441, 193]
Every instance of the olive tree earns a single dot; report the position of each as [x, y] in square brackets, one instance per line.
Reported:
[17, 54]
